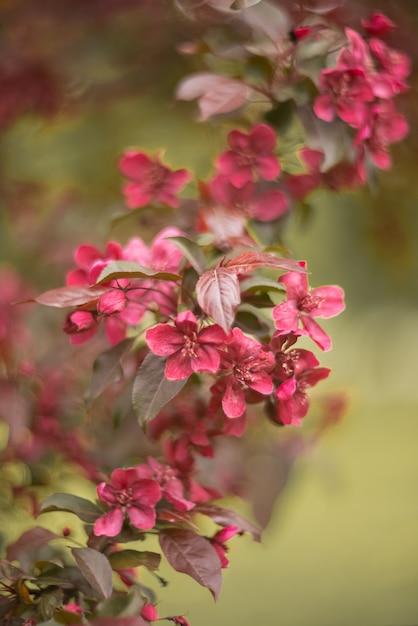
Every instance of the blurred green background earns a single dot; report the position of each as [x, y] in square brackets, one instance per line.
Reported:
[342, 549]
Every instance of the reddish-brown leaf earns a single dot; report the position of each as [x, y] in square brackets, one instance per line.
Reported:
[217, 94]
[96, 569]
[34, 538]
[226, 517]
[193, 555]
[218, 295]
[250, 261]
[69, 296]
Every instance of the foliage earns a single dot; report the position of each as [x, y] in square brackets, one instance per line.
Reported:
[202, 320]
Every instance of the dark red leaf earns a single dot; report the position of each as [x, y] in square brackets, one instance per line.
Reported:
[107, 368]
[218, 295]
[34, 538]
[193, 555]
[71, 296]
[250, 261]
[96, 569]
[226, 517]
[152, 390]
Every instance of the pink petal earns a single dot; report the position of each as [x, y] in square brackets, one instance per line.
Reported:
[109, 524]
[115, 329]
[85, 255]
[136, 196]
[262, 383]
[324, 107]
[145, 492]
[316, 333]
[262, 139]
[113, 301]
[286, 389]
[268, 167]
[179, 366]
[208, 359]
[296, 284]
[135, 165]
[270, 205]
[331, 301]
[164, 339]
[286, 317]
[233, 402]
[143, 518]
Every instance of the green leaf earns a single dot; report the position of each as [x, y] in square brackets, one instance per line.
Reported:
[107, 369]
[261, 283]
[96, 569]
[281, 116]
[84, 509]
[123, 605]
[125, 559]
[152, 390]
[128, 269]
[192, 251]
[66, 617]
[49, 601]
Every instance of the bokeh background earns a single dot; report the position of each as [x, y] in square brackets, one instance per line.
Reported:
[342, 548]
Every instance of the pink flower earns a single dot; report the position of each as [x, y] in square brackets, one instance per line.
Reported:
[149, 612]
[344, 93]
[188, 349]
[73, 608]
[219, 540]
[303, 304]
[128, 495]
[292, 397]
[91, 262]
[385, 125]
[378, 25]
[264, 206]
[246, 365]
[80, 326]
[251, 153]
[171, 486]
[151, 181]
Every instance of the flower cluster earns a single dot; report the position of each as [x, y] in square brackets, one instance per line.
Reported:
[212, 324]
[368, 75]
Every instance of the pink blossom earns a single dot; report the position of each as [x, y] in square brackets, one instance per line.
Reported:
[343, 175]
[128, 495]
[265, 206]
[303, 304]
[73, 608]
[344, 93]
[151, 180]
[172, 488]
[149, 612]
[378, 25]
[246, 365]
[291, 395]
[251, 153]
[188, 349]
[80, 326]
[385, 125]
[91, 262]
[219, 540]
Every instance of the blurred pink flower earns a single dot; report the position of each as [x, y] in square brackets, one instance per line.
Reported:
[151, 180]
[251, 153]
